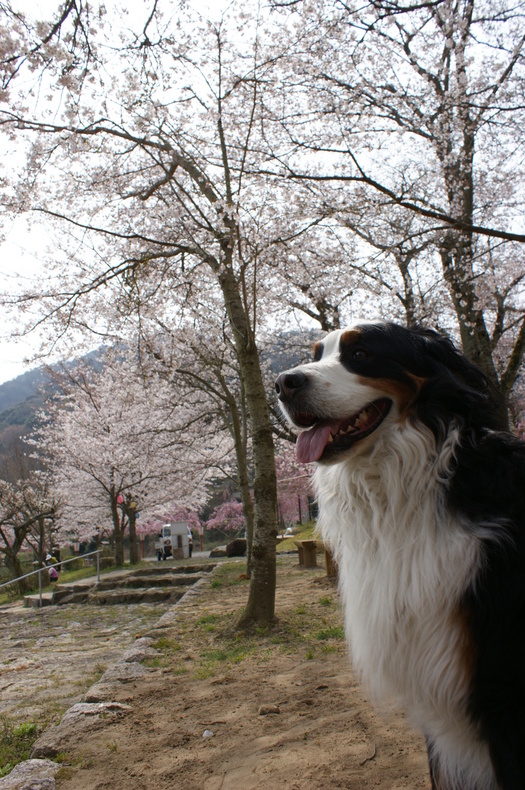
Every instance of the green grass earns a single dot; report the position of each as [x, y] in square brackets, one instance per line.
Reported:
[335, 632]
[228, 574]
[165, 644]
[16, 742]
[209, 645]
[306, 532]
[215, 660]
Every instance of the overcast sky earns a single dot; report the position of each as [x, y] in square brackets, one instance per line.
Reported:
[19, 262]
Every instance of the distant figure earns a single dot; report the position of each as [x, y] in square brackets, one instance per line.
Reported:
[55, 552]
[190, 542]
[53, 573]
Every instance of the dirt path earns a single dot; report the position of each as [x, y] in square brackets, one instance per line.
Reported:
[279, 710]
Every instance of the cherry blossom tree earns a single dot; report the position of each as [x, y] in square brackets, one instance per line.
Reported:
[156, 185]
[205, 365]
[118, 446]
[293, 486]
[228, 518]
[24, 507]
[35, 47]
[415, 112]
[346, 162]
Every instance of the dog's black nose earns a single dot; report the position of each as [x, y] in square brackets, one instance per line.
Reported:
[287, 384]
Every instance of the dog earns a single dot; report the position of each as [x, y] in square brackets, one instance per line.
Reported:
[421, 493]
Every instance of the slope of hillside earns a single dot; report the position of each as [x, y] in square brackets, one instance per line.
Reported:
[17, 391]
[23, 396]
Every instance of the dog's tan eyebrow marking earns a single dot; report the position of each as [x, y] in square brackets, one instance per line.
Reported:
[318, 351]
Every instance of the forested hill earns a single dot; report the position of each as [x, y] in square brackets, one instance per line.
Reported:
[17, 394]
[21, 398]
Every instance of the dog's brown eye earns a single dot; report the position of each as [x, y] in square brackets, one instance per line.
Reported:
[359, 354]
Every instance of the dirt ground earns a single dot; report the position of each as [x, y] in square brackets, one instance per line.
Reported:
[279, 709]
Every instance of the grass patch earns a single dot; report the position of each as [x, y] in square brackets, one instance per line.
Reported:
[305, 532]
[205, 644]
[168, 648]
[16, 742]
[228, 574]
[209, 622]
[210, 646]
[218, 659]
[335, 632]
[166, 645]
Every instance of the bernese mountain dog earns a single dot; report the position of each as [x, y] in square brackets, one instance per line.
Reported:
[421, 493]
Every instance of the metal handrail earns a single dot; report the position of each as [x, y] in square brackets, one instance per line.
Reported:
[98, 552]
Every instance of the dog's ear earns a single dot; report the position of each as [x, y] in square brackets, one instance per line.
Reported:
[444, 352]
[460, 385]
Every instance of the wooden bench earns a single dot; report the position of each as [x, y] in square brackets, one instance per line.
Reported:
[307, 553]
[330, 564]
[308, 556]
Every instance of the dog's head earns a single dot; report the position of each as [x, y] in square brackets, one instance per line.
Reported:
[369, 376]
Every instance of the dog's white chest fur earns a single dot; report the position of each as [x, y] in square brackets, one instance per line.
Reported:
[403, 566]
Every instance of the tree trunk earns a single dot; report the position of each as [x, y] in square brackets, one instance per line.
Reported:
[118, 532]
[457, 253]
[133, 545]
[244, 481]
[261, 600]
[14, 566]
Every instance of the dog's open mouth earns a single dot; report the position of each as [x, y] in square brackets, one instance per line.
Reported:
[325, 438]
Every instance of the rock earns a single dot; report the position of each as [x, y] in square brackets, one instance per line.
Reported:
[265, 710]
[168, 619]
[220, 551]
[124, 672]
[127, 669]
[31, 775]
[81, 717]
[140, 650]
[236, 548]
[100, 692]
[86, 709]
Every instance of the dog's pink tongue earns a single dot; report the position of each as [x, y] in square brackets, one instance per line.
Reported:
[310, 444]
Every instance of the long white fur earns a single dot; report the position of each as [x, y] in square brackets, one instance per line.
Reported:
[404, 563]
[402, 568]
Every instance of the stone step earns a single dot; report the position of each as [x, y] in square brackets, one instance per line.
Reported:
[159, 583]
[61, 597]
[34, 600]
[150, 580]
[136, 595]
[74, 587]
[165, 567]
